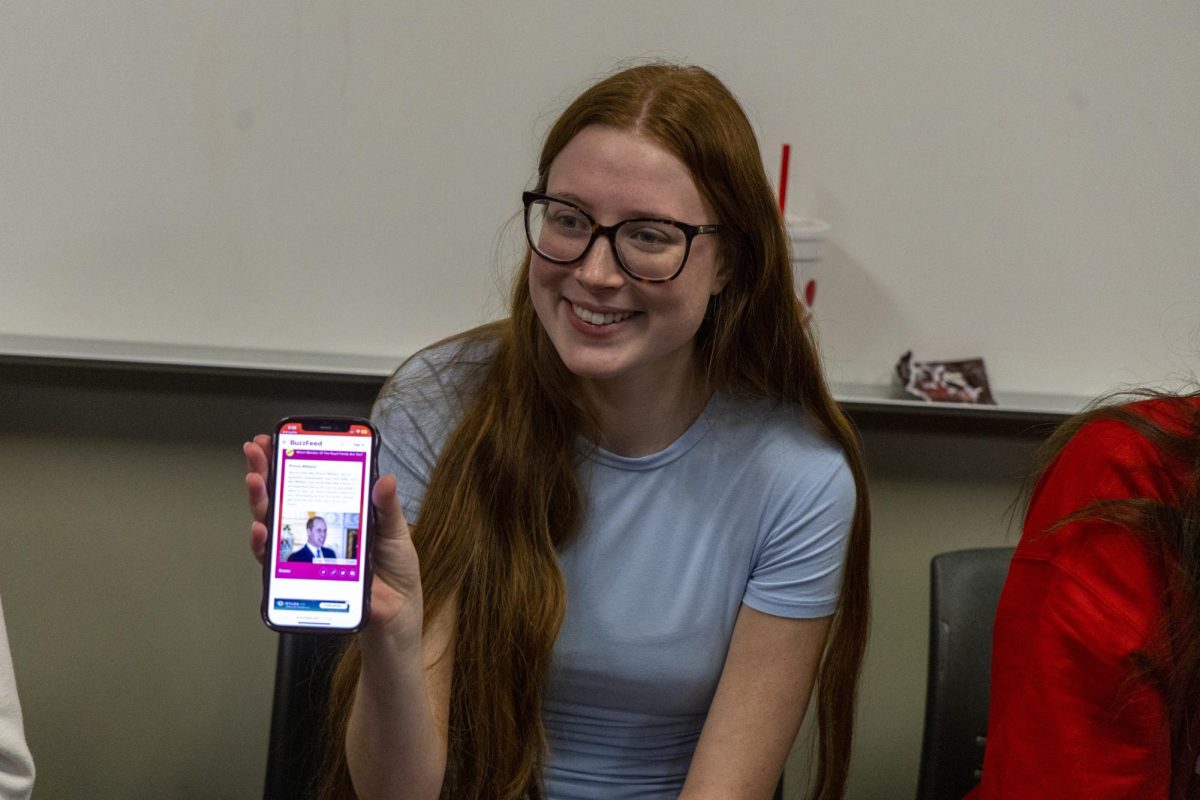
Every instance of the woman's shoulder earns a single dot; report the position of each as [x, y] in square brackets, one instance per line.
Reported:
[1082, 536]
[458, 355]
[1121, 453]
[450, 363]
[768, 417]
[1177, 414]
[1129, 437]
[437, 382]
[778, 435]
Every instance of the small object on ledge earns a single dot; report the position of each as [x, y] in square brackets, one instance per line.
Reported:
[808, 235]
[963, 381]
[807, 240]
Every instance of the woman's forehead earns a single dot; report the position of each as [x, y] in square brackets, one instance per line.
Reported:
[613, 167]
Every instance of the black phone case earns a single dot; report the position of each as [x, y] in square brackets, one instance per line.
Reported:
[272, 534]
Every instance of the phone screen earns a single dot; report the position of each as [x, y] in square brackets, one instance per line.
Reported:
[316, 568]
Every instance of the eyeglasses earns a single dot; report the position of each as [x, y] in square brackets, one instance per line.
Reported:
[647, 249]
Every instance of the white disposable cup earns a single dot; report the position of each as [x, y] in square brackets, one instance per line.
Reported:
[808, 237]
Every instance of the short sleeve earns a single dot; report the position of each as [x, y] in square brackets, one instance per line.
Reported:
[797, 570]
[416, 412]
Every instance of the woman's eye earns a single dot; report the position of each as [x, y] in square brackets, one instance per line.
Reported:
[648, 237]
[569, 221]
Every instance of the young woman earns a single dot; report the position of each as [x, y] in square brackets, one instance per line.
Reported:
[640, 518]
[1096, 661]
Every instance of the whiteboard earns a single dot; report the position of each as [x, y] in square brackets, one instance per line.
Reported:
[334, 183]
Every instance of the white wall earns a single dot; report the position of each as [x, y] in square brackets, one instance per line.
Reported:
[1019, 181]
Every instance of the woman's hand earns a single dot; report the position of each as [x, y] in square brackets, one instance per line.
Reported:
[396, 604]
[258, 453]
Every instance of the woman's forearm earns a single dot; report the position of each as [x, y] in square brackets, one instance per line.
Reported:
[396, 739]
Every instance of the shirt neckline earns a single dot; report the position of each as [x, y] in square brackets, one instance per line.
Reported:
[675, 450]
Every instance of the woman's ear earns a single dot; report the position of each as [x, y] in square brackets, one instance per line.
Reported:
[721, 278]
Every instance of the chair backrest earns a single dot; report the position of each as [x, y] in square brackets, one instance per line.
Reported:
[303, 668]
[964, 591]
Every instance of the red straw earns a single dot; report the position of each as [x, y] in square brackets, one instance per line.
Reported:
[783, 176]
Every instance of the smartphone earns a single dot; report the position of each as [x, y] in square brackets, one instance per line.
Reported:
[320, 523]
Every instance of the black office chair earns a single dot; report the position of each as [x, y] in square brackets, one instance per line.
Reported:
[303, 668]
[964, 591]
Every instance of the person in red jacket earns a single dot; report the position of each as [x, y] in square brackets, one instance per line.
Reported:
[1096, 650]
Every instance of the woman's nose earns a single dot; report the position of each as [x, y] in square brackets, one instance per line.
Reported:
[598, 268]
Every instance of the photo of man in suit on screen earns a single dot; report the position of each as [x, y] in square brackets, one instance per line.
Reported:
[315, 547]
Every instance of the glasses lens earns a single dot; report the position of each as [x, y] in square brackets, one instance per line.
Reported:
[557, 231]
[650, 249]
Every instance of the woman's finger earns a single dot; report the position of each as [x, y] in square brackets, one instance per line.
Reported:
[256, 495]
[258, 540]
[257, 453]
[389, 518]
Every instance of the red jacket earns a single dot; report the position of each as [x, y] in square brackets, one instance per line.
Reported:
[1066, 720]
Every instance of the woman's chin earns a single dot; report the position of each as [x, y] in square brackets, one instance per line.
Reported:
[592, 370]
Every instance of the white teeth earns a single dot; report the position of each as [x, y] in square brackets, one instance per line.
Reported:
[599, 319]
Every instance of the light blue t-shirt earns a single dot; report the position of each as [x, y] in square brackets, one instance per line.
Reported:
[749, 506]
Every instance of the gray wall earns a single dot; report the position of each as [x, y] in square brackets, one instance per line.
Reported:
[132, 599]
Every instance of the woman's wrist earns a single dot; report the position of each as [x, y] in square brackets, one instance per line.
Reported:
[395, 641]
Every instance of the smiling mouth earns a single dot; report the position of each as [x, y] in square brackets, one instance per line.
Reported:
[594, 318]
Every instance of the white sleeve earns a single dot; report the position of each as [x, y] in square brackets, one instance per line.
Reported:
[16, 763]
